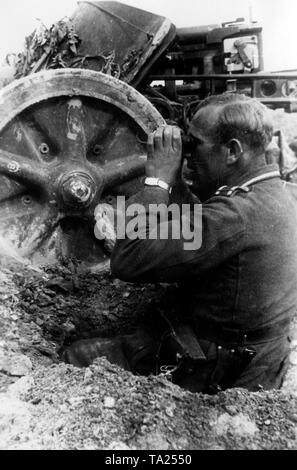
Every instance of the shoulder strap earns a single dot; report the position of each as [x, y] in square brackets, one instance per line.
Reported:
[229, 191]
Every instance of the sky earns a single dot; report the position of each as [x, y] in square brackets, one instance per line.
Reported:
[278, 18]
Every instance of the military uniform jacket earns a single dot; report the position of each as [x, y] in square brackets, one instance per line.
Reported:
[244, 275]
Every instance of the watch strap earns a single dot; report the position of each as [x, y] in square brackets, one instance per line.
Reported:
[151, 181]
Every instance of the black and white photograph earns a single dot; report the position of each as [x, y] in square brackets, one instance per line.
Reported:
[148, 228]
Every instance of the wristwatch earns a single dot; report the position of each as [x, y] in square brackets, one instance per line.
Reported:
[157, 182]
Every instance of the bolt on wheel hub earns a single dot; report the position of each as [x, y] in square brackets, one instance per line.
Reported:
[78, 190]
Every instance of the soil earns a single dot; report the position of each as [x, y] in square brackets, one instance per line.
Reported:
[46, 404]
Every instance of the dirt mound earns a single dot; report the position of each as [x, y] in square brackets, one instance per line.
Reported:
[46, 404]
[103, 407]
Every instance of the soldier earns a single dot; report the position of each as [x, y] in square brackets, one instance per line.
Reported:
[238, 290]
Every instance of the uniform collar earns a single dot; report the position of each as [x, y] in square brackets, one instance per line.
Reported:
[264, 173]
[261, 174]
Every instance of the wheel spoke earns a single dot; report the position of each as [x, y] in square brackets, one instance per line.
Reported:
[29, 135]
[12, 211]
[68, 237]
[10, 197]
[124, 155]
[124, 169]
[120, 141]
[45, 131]
[76, 142]
[41, 228]
[26, 223]
[22, 170]
[99, 122]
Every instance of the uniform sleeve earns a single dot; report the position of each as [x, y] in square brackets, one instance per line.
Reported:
[218, 230]
[181, 194]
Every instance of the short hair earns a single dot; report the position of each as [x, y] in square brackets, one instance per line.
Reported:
[239, 117]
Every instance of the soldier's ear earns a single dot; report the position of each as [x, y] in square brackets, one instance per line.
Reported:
[235, 151]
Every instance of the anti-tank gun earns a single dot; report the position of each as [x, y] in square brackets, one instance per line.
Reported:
[74, 136]
[211, 59]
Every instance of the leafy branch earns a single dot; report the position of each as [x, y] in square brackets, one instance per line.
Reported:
[48, 48]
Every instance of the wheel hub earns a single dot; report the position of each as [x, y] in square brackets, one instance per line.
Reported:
[77, 189]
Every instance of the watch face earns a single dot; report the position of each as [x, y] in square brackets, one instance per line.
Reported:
[149, 181]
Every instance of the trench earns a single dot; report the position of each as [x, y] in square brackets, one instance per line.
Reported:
[59, 305]
[46, 404]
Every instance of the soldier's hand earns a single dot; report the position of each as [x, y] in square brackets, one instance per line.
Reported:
[164, 149]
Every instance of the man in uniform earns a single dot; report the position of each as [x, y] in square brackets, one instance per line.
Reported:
[238, 290]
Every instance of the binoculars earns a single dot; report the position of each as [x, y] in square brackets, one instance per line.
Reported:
[188, 144]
